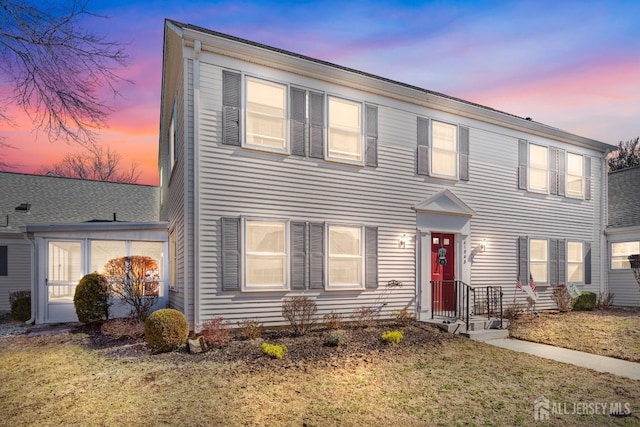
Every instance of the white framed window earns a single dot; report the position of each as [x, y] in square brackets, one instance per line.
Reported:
[538, 168]
[444, 150]
[266, 257]
[538, 260]
[266, 115]
[575, 262]
[345, 259]
[345, 130]
[575, 166]
[620, 252]
[173, 261]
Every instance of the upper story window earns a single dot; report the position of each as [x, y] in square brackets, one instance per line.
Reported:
[620, 252]
[538, 168]
[575, 262]
[444, 150]
[265, 255]
[266, 114]
[345, 258]
[574, 175]
[345, 130]
[538, 260]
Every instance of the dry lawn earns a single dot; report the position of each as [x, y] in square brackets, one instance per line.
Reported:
[612, 332]
[61, 380]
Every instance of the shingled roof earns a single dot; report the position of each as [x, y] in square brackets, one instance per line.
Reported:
[624, 197]
[68, 200]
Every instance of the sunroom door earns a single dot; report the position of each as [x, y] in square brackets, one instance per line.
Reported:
[64, 271]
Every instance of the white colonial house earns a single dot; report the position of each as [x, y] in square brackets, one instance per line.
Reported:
[284, 175]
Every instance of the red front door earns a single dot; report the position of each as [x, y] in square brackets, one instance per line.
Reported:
[443, 271]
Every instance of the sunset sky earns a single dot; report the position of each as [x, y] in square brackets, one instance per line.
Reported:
[574, 65]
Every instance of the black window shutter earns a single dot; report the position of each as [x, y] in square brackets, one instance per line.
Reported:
[231, 83]
[422, 157]
[299, 132]
[587, 178]
[587, 263]
[316, 125]
[562, 167]
[316, 255]
[523, 155]
[4, 261]
[553, 170]
[371, 151]
[562, 261]
[464, 154]
[371, 257]
[299, 263]
[553, 262]
[523, 259]
[231, 260]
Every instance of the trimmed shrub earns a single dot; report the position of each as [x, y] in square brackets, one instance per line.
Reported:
[585, 302]
[300, 312]
[561, 297]
[166, 330]
[335, 339]
[274, 350]
[249, 329]
[392, 337]
[20, 305]
[91, 299]
[216, 332]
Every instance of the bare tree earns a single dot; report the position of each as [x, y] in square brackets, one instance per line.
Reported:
[96, 164]
[626, 156]
[55, 68]
[136, 281]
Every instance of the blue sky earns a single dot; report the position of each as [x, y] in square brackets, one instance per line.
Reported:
[569, 64]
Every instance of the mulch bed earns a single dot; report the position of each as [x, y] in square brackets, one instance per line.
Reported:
[362, 343]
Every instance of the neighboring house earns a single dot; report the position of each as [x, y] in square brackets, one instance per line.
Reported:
[284, 175]
[54, 230]
[623, 234]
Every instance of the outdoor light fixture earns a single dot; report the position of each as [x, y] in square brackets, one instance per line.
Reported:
[24, 207]
[483, 246]
[403, 241]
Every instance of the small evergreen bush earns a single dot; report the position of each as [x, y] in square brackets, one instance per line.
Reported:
[585, 302]
[336, 339]
[91, 299]
[250, 329]
[392, 337]
[274, 350]
[166, 330]
[20, 305]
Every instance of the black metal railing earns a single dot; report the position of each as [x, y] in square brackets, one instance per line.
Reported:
[454, 299]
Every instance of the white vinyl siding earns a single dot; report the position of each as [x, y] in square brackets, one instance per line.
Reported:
[345, 130]
[538, 168]
[266, 115]
[538, 260]
[575, 262]
[574, 175]
[444, 157]
[265, 255]
[620, 252]
[345, 258]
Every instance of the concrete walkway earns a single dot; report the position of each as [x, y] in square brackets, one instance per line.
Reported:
[610, 365]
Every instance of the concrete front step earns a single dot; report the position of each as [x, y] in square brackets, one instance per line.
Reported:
[475, 325]
[487, 334]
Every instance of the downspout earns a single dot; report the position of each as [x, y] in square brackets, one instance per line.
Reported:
[604, 221]
[196, 183]
[34, 279]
